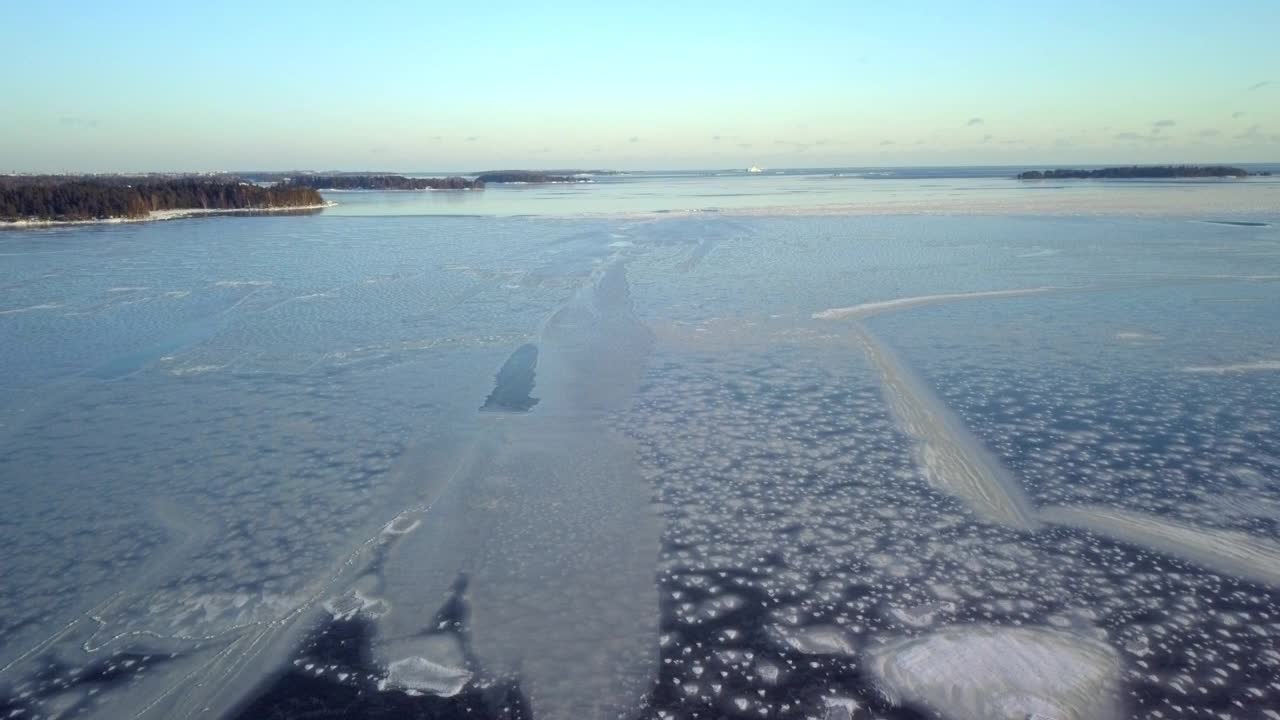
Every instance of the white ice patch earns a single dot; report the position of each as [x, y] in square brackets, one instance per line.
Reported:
[1258, 366]
[425, 664]
[1137, 336]
[31, 308]
[815, 640]
[1225, 551]
[352, 603]
[196, 369]
[993, 673]
[242, 283]
[423, 675]
[874, 308]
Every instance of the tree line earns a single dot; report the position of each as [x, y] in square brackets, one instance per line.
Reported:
[1136, 171]
[100, 199]
[525, 176]
[382, 182]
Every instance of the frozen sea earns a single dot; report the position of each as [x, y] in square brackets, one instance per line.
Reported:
[832, 445]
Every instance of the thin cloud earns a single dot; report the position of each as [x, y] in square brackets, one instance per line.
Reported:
[1163, 123]
[974, 121]
[634, 139]
[1237, 115]
[987, 138]
[885, 143]
[1209, 132]
[745, 146]
[1138, 137]
[473, 138]
[1259, 86]
[1254, 134]
[795, 146]
[1251, 131]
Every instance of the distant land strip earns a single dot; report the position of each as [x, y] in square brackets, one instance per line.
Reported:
[47, 199]
[366, 181]
[527, 176]
[1138, 171]
[380, 182]
[42, 199]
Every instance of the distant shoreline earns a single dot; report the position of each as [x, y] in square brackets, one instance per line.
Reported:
[1138, 172]
[159, 216]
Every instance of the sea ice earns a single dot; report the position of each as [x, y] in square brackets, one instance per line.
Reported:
[952, 459]
[1226, 551]
[997, 673]
[866, 310]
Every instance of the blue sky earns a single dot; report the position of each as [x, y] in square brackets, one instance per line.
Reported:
[103, 86]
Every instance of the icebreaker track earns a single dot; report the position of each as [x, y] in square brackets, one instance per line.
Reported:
[1224, 551]
[551, 526]
[530, 502]
[866, 310]
[952, 459]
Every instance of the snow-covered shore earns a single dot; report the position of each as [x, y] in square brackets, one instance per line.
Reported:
[158, 215]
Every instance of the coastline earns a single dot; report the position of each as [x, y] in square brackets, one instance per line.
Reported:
[158, 215]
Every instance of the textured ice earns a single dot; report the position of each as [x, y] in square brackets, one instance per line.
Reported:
[437, 667]
[815, 640]
[953, 460]
[993, 673]
[423, 675]
[329, 502]
[1226, 551]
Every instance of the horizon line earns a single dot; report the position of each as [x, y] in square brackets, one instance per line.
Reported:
[587, 169]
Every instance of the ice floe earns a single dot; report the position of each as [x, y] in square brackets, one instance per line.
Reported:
[999, 673]
[437, 665]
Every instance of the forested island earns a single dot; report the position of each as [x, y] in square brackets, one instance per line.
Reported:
[381, 182]
[1136, 171]
[525, 176]
[51, 198]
